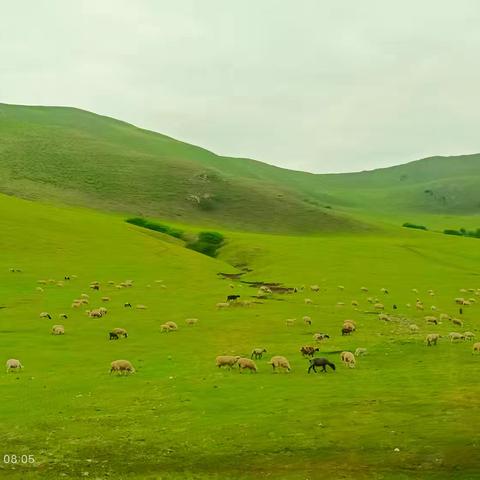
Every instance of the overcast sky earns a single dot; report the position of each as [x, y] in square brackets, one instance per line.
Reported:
[323, 86]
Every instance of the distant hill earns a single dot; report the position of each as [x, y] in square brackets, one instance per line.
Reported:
[72, 156]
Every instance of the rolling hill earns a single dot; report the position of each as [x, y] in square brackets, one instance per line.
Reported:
[66, 155]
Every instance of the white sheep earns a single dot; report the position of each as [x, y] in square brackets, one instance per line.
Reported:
[348, 359]
[191, 321]
[165, 328]
[141, 307]
[58, 330]
[13, 364]
[308, 301]
[457, 321]
[280, 362]
[226, 360]
[222, 305]
[469, 335]
[476, 347]
[379, 306]
[454, 336]
[173, 326]
[246, 364]
[314, 288]
[307, 320]
[414, 328]
[45, 315]
[122, 366]
[360, 351]
[289, 322]
[432, 339]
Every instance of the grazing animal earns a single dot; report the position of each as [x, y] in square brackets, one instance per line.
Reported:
[469, 335]
[141, 307]
[308, 351]
[320, 336]
[127, 305]
[232, 298]
[430, 319]
[476, 347]
[307, 320]
[105, 299]
[320, 362]
[172, 325]
[95, 287]
[122, 366]
[414, 328]
[348, 358]
[279, 362]
[45, 315]
[432, 339]
[222, 305]
[289, 322]
[246, 364]
[314, 288]
[63, 315]
[360, 351]
[379, 306]
[165, 328]
[226, 360]
[58, 330]
[95, 313]
[191, 321]
[457, 321]
[257, 353]
[308, 301]
[454, 336]
[346, 330]
[13, 364]
[112, 336]
[121, 332]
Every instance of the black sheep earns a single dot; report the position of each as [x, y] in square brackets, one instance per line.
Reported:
[320, 362]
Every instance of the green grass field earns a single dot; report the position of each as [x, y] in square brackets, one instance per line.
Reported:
[180, 417]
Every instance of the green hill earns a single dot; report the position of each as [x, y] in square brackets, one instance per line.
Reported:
[66, 155]
[72, 156]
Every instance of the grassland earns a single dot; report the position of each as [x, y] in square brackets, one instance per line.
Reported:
[179, 417]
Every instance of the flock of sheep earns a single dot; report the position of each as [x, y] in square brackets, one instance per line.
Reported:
[278, 362]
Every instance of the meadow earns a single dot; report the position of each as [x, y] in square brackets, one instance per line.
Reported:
[407, 411]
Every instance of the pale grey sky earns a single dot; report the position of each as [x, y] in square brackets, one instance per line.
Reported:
[323, 86]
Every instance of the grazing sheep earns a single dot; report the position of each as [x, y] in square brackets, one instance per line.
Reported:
[430, 319]
[84, 295]
[308, 301]
[414, 328]
[364, 289]
[246, 364]
[354, 303]
[314, 288]
[172, 325]
[222, 305]
[289, 322]
[415, 290]
[318, 337]
[127, 305]
[476, 347]
[348, 359]
[165, 328]
[444, 317]
[320, 362]
[257, 353]
[307, 320]
[232, 298]
[39, 289]
[191, 321]
[360, 351]
[226, 360]
[347, 330]
[340, 287]
[308, 350]
[58, 330]
[469, 335]
[103, 310]
[384, 290]
[419, 305]
[459, 300]
[105, 299]
[76, 304]
[63, 315]
[432, 339]
[454, 336]
[279, 362]
[112, 336]
[97, 313]
[379, 306]
[122, 366]
[457, 321]
[121, 332]
[384, 317]
[13, 364]
[95, 287]
[141, 307]
[45, 315]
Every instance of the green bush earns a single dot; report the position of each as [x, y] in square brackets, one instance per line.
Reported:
[412, 225]
[462, 232]
[450, 231]
[157, 227]
[207, 243]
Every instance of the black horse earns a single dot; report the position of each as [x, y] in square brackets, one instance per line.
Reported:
[320, 362]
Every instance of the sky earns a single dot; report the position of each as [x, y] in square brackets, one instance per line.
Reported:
[321, 86]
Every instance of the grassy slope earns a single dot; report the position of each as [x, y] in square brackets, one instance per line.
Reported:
[73, 156]
[69, 155]
[179, 417]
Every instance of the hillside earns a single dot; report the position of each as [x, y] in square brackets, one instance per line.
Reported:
[72, 156]
[66, 155]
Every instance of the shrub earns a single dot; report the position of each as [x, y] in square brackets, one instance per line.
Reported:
[207, 243]
[450, 231]
[412, 225]
[157, 227]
